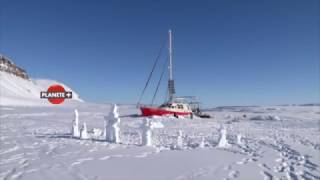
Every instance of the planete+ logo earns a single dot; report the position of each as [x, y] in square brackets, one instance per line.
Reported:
[56, 94]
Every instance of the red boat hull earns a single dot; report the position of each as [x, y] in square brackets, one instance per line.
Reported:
[152, 111]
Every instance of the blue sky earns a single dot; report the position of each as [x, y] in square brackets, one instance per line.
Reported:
[225, 52]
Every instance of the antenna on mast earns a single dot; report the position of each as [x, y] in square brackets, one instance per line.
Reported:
[171, 81]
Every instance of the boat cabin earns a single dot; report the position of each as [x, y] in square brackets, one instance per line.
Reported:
[177, 107]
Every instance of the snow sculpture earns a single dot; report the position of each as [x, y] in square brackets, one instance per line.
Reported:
[202, 143]
[180, 140]
[84, 132]
[239, 139]
[75, 125]
[147, 132]
[96, 132]
[112, 126]
[223, 142]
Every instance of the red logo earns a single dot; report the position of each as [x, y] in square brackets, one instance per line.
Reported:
[56, 94]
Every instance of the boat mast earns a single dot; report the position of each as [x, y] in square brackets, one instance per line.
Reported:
[170, 56]
[171, 89]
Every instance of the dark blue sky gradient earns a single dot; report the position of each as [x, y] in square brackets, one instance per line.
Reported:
[225, 52]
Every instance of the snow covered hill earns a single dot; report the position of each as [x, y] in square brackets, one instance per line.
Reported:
[18, 91]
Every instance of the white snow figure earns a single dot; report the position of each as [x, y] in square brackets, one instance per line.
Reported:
[112, 126]
[75, 125]
[115, 111]
[239, 139]
[84, 132]
[147, 132]
[104, 134]
[96, 132]
[202, 143]
[180, 140]
[223, 142]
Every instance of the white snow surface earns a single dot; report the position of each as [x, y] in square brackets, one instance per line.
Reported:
[17, 91]
[36, 144]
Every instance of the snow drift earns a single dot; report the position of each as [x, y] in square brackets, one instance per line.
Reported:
[265, 117]
[18, 91]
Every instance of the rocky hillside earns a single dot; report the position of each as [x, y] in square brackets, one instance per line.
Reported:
[8, 66]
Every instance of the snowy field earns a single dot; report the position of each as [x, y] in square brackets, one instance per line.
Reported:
[278, 142]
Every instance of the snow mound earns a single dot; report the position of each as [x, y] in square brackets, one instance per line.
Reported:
[17, 91]
[157, 124]
[266, 117]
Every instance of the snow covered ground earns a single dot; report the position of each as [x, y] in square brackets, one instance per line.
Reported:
[278, 142]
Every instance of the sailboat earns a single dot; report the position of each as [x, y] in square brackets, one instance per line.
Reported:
[172, 106]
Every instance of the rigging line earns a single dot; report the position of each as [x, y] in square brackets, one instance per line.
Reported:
[158, 85]
[153, 67]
